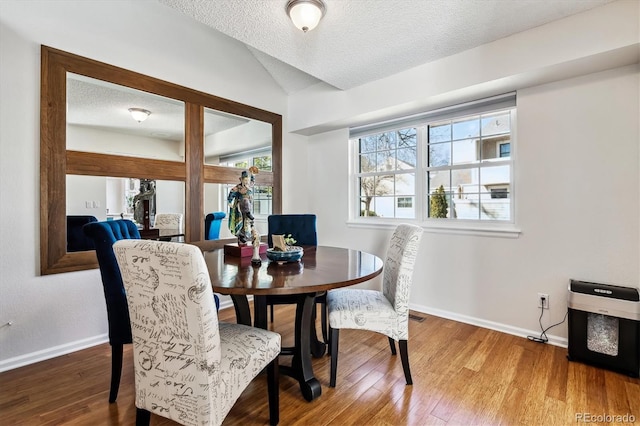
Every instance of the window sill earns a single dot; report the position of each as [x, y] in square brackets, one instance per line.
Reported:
[496, 230]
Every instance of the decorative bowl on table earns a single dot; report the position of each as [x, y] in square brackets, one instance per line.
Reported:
[291, 254]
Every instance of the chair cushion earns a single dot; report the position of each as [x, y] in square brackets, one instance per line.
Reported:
[245, 353]
[362, 309]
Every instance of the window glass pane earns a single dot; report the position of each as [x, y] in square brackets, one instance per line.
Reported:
[384, 185]
[465, 151]
[439, 154]
[494, 176]
[439, 204]
[495, 208]
[406, 158]
[367, 206]
[405, 184]
[263, 162]
[405, 207]
[385, 206]
[262, 200]
[468, 207]
[367, 163]
[496, 147]
[466, 129]
[496, 124]
[465, 180]
[407, 137]
[367, 186]
[386, 141]
[435, 179]
[385, 161]
[368, 144]
[440, 133]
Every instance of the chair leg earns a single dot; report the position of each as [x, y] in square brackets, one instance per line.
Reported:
[404, 356]
[272, 313]
[116, 371]
[324, 319]
[273, 386]
[333, 338]
[143, 417]
[392, 344]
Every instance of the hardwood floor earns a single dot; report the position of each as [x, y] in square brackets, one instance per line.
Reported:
[462, 375]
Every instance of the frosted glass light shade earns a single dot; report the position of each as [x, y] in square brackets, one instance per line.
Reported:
[139, 114]
[305, 14]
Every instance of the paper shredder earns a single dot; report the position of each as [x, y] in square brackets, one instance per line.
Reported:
[604, 326]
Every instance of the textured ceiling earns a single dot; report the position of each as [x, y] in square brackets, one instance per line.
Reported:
[359, 41]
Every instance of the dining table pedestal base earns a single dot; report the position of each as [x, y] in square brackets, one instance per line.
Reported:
[301, 367]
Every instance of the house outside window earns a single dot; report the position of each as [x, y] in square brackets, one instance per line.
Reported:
[442, 166]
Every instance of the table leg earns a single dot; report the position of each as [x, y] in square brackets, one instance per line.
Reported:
[317, 347]
[301, 363]
[260, 312]
[241, 305]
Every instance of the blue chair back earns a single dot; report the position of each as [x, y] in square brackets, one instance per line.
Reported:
[104, 234]
[76, 238]
[212, 225]
[302, 228]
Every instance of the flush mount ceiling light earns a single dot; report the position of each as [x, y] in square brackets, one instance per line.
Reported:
[139, 114]
[305, 14]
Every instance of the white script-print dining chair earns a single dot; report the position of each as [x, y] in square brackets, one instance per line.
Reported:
[385, 312]
[188, 366]
[172, 221]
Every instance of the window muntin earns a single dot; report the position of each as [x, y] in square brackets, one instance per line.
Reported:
[466, 170]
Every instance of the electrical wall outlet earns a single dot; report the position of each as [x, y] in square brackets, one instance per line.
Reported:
[543, 300]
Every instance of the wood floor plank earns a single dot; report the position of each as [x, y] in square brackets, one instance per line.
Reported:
[462, 375]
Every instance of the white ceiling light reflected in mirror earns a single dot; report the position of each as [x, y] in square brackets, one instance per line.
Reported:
[139, 114]
[305, 14]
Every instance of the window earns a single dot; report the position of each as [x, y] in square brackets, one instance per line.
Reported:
[262, 195]
[452, 164]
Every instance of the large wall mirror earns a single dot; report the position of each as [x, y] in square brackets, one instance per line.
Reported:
[96, 156]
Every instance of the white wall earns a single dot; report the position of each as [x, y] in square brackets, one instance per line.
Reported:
[60, 313]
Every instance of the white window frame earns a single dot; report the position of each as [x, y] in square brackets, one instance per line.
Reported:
[507, 229]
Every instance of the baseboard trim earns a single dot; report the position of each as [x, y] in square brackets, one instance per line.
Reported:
[56, 351]
[504, 328]
[32, 358]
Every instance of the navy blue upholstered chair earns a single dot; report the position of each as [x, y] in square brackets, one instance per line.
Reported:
[76, 238]
[302, 228]
[104, 234]
[212, 225]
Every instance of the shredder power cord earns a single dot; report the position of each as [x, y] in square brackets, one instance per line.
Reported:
[543, 335]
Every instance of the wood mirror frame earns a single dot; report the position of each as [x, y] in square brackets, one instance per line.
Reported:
[56, 161]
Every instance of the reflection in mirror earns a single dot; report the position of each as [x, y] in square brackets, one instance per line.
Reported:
[99, 120]
[215, 200]
[235, 141]
[79, 138]
[98, 198]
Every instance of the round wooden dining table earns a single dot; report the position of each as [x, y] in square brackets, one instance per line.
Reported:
[321, 269]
